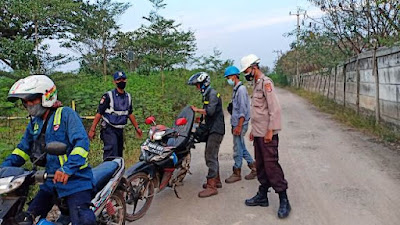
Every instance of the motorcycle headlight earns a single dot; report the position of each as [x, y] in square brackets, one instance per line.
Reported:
[7, 184]
[158, 135]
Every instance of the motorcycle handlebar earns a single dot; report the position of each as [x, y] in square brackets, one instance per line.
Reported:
[41, 176]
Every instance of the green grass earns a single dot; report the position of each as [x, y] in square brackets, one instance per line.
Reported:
[350, 117]
[86, 90]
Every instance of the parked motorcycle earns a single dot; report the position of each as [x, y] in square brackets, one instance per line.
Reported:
[108, 204]
[164, 162]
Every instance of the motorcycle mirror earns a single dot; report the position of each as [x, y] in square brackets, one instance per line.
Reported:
[56, 148]
[150, 120]
[181, 121]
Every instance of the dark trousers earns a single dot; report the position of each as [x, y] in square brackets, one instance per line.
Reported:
[78, 206]
[113, 139]
[211, 154]
[269, 171]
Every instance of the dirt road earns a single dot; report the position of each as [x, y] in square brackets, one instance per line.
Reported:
[336, 176]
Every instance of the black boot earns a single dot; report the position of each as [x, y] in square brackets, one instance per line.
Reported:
[260, 199]
[284, 205]
[24, 218]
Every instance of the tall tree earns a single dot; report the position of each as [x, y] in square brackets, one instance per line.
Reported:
[25, 24]
[163, 44]
[94, 38]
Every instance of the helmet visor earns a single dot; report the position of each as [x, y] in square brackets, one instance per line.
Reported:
[26, 97]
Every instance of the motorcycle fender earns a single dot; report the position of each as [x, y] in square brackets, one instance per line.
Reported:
[141, 166]
[6, 203]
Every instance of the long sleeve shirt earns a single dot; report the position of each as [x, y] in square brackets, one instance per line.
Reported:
[265, 108]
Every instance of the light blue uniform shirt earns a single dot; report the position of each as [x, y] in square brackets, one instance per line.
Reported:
[241, 105]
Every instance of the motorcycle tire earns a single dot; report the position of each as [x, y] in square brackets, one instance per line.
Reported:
[141, 191]
[118, 209]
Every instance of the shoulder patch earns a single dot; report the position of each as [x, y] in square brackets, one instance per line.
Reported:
[102, 100]
[35, 128]
[268, 87]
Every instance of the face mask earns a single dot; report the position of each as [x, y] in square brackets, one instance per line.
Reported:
[231, 82]
[36, 110]
[121, 85]
[249, 76]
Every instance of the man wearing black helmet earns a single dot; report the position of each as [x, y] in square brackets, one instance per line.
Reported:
[214, 119]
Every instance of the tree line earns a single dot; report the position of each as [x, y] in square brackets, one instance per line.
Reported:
[91, 29]
[345, 28]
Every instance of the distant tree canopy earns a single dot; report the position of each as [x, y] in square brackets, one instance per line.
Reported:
[346, 28]
[25, 24]
[90, 29]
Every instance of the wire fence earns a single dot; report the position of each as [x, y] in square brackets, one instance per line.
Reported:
[73, 106]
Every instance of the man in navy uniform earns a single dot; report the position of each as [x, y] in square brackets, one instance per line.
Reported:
[115, 109]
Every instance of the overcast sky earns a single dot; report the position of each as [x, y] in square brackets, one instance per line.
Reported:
[235, 27]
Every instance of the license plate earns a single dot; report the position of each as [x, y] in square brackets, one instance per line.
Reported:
[154, 148]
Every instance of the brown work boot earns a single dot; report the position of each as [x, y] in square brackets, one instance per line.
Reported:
[210, 190]
[234, 177]
[253, 172]
[219, 184]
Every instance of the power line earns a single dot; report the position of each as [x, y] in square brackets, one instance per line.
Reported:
[299, 12]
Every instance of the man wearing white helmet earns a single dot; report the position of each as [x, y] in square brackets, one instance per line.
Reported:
[73, 178]
[266, 124]
[214, 120]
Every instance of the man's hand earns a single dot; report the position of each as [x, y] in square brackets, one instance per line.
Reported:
[139, 132]
[194, 108]
[237, 130]
[91, 134]
[268, 136]
[60, 177]
[251, 137]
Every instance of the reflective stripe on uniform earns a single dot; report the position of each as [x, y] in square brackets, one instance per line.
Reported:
[80, 151]
[57, 116]
[111, 110]
[207, 102]
[108, 122]
[63, 159]
[119, 113]
[84, 166]
[21, 153]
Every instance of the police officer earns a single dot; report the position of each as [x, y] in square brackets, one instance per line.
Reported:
[214, 118]
[240, 117]
[114, 109]
[266, 124]
[73, 178]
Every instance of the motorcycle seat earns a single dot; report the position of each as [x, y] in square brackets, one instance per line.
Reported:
[11, 171]
[103, 173]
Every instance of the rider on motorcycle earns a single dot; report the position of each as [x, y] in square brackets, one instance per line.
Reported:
[73, 178]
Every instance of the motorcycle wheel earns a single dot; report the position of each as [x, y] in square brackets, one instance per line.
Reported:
[139, 196]
[115, 212]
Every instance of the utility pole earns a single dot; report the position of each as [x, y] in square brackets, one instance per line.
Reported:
[279, 53]
[299, 12]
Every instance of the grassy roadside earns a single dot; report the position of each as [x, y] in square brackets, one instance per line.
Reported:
[349, 117]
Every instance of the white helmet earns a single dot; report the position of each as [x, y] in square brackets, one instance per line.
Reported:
[248, 61]
[32, 87]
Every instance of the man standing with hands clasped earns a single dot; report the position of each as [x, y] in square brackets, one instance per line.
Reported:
[266, 124]
[240, 115]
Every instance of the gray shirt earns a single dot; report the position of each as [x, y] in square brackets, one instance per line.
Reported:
[241, 105]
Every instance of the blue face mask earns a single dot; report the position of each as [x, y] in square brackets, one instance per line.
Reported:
[231, 82]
